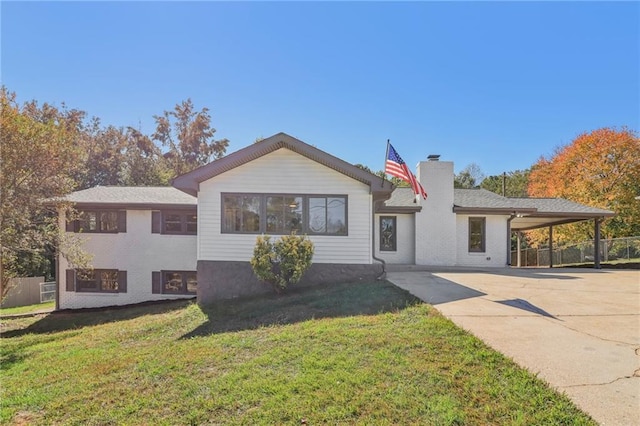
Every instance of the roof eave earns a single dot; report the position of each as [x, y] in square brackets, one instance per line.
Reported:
[493, 210]
[133, 206]
[399, 209]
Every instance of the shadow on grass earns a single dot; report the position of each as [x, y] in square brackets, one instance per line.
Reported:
[302, 304]
[78, 318]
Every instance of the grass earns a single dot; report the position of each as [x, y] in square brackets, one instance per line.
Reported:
[28, 309]
[347, 354]
[612, 264]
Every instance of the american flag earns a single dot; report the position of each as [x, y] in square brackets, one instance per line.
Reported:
[395, 166]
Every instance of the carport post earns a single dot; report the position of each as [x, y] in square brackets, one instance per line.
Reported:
[596, 244]
[518, 250]
[551, 246]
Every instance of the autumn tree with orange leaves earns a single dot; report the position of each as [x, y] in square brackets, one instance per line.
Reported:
[599, 169]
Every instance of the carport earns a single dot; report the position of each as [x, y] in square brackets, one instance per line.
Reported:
[537, 213]
[526, 214]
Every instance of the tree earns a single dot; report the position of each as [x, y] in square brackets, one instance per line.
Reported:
[40, 155]
[469, 177]
[102, 155]
[282, 262]
[516, 183]
[189, 137]
[143, 163]
[600, 169]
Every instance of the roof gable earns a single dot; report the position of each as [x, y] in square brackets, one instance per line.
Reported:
[190, 182]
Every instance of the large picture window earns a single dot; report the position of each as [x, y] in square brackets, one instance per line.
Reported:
[284, 213]
[388, 233]
[477, 226]
[97, 280]
[99, 221]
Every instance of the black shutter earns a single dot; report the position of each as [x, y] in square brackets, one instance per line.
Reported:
[122, 221]
[156, 282]
[156, 222]
[122, 281]
[70, 226]
[71, 280]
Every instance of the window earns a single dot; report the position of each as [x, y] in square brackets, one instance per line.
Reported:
[327, 215]
[241, 213]
[99, 221]
[388, 233]
[97, 280]
[174, 222]
[284, 213]
[477, 234]
[175, 282]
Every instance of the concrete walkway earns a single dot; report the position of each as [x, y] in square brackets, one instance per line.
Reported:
[579, 330]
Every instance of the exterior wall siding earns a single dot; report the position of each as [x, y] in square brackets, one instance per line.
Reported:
[495, 254]
[405, 240]
[137, 251]
[286, 172]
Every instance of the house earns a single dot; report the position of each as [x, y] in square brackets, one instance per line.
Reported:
[143, 246]
[159, 243]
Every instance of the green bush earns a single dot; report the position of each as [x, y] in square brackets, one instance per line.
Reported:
[282, 262]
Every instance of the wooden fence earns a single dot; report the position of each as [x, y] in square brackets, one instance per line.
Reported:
[23, 292]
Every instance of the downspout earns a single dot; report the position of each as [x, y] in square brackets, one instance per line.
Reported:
[383, 275]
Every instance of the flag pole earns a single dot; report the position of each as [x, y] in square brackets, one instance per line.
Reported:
[384, 167]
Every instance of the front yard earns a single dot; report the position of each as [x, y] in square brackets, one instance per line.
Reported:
[354, 354]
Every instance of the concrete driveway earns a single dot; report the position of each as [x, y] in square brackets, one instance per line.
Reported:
[577, 329]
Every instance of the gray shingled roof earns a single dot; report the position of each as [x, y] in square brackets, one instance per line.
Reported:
[557, 205]
[132, 195]
[480, 198]
[481, 201]
[401, 197]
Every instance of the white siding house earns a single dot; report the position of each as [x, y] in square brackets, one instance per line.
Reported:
[198, 236]
[274, 187]
[285, 172]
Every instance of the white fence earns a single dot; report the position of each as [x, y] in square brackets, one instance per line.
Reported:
[47, 291]
[616, 249]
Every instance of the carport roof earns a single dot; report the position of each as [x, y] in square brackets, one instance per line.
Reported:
[530, 213]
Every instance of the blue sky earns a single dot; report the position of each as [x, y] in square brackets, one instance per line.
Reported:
[495, 83]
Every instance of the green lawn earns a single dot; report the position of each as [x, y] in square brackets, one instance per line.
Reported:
[28, 309]
[348, 354]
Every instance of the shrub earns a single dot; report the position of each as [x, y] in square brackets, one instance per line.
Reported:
[282, 262]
